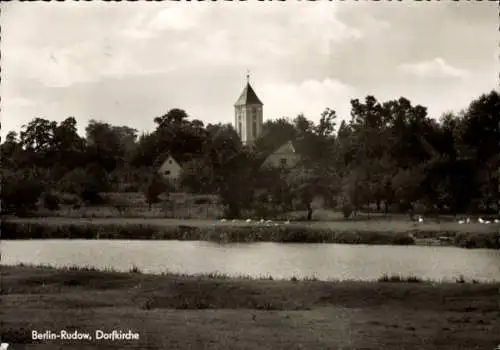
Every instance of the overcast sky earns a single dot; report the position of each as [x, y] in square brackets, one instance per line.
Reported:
[126, 63]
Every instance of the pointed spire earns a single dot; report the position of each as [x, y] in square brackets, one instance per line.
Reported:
[248, 96]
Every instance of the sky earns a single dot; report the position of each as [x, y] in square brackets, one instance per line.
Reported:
[127, 63]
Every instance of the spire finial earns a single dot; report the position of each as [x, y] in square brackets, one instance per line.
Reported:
[248, 76]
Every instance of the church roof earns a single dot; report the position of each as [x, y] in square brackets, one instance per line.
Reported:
[248, 96]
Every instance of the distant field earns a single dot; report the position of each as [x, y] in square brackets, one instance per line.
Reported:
[377, 225]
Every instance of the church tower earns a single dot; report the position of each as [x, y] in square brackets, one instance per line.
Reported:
[248, 117]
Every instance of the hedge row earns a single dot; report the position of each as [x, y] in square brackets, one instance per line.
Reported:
[227, 234]
[217, 233]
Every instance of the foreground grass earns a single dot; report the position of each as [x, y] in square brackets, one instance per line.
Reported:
[217, 312]
[350, 233]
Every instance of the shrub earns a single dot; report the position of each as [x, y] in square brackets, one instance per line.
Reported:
[403, 240]
[200, 201]
[478, 240]
[21, 194]
[347, 210]
[134, 269]
[155, 188]
[69, 199]
[396, 278]
[51, 201]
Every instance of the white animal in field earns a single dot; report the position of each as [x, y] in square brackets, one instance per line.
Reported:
[222, 220]
[420, 219]
[287, 222]
[234, 220]
[497, 221]
[262, 221]
[480, 220]
[487, 221]
[466, 221]
[248, 220]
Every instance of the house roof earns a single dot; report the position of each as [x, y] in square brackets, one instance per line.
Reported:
[248, 96]
[286, 148]
[160, 160]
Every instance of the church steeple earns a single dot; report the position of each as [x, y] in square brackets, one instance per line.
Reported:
[248, 114]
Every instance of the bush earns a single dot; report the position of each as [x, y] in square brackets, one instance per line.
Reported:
[92, 196]
[226, 234]
[131, 188]
[201, 201]
[155, 188]
[347, 210]
[69, 199]
[478, 240]
[21, 194]
[51, 201]
[87, 183]
[220, 234]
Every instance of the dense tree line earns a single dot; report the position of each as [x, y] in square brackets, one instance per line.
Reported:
[390, 155]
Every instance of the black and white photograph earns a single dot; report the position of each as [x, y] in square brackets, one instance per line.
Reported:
[250, 175]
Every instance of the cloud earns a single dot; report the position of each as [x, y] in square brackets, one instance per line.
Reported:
[436, 68]
[160, 39]
[129, 63]
[176, 18]
[18, 101]
[310, 97]
[148, 24]
[83, 62]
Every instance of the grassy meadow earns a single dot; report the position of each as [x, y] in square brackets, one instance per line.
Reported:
[173, 311]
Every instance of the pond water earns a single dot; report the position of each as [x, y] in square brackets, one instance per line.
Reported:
[325, 261]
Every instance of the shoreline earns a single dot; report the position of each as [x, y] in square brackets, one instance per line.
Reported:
[134, 271]
[178, 311]
[371, 233]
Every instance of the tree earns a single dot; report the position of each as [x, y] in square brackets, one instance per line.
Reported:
[197, 176]
[146, 151]
[235, 181]
[309, 182]
[156, 186]
[37, 141]
[86, 182]
[20, 191]
[11, 151]
[104, 145]
[51, 201]
[38, 135]
[327, 122]
[69, 148]
[479, 138]
[407, 187]
[480, 129]
[274, 134]
[181, 138]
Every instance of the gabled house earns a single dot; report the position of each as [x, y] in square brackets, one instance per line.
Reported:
[285, 156]
[170, 169]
